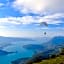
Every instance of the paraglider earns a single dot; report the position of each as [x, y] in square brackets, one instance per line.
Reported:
[44, 24]
[45, 33]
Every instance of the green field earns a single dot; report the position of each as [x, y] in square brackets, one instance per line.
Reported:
[57, 60]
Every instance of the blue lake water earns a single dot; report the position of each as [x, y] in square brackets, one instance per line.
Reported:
[16, 45]
[20, 51]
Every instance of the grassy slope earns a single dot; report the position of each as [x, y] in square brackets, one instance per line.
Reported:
[57, 60]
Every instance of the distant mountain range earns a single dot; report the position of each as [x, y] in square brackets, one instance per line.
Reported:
[6, 41]
[54, 43]
[11, 39]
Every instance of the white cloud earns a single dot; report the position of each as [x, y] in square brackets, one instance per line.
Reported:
[53, 19]
[2, 27]
[50, 19]
[1, 4]
[11, 20]
[39, 6]
[17, 20]
[56, 15]
[36, 6]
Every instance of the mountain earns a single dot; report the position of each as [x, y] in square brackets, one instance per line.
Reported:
[34, 47]
[55, 42]
[11, 39]
[37, 57]
[7, 41]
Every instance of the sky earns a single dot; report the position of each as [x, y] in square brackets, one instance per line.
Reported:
[22, 18]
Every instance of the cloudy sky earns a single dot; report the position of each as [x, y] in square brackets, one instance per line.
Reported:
[22, 18]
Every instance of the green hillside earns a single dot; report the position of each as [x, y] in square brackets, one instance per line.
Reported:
[55, 60]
